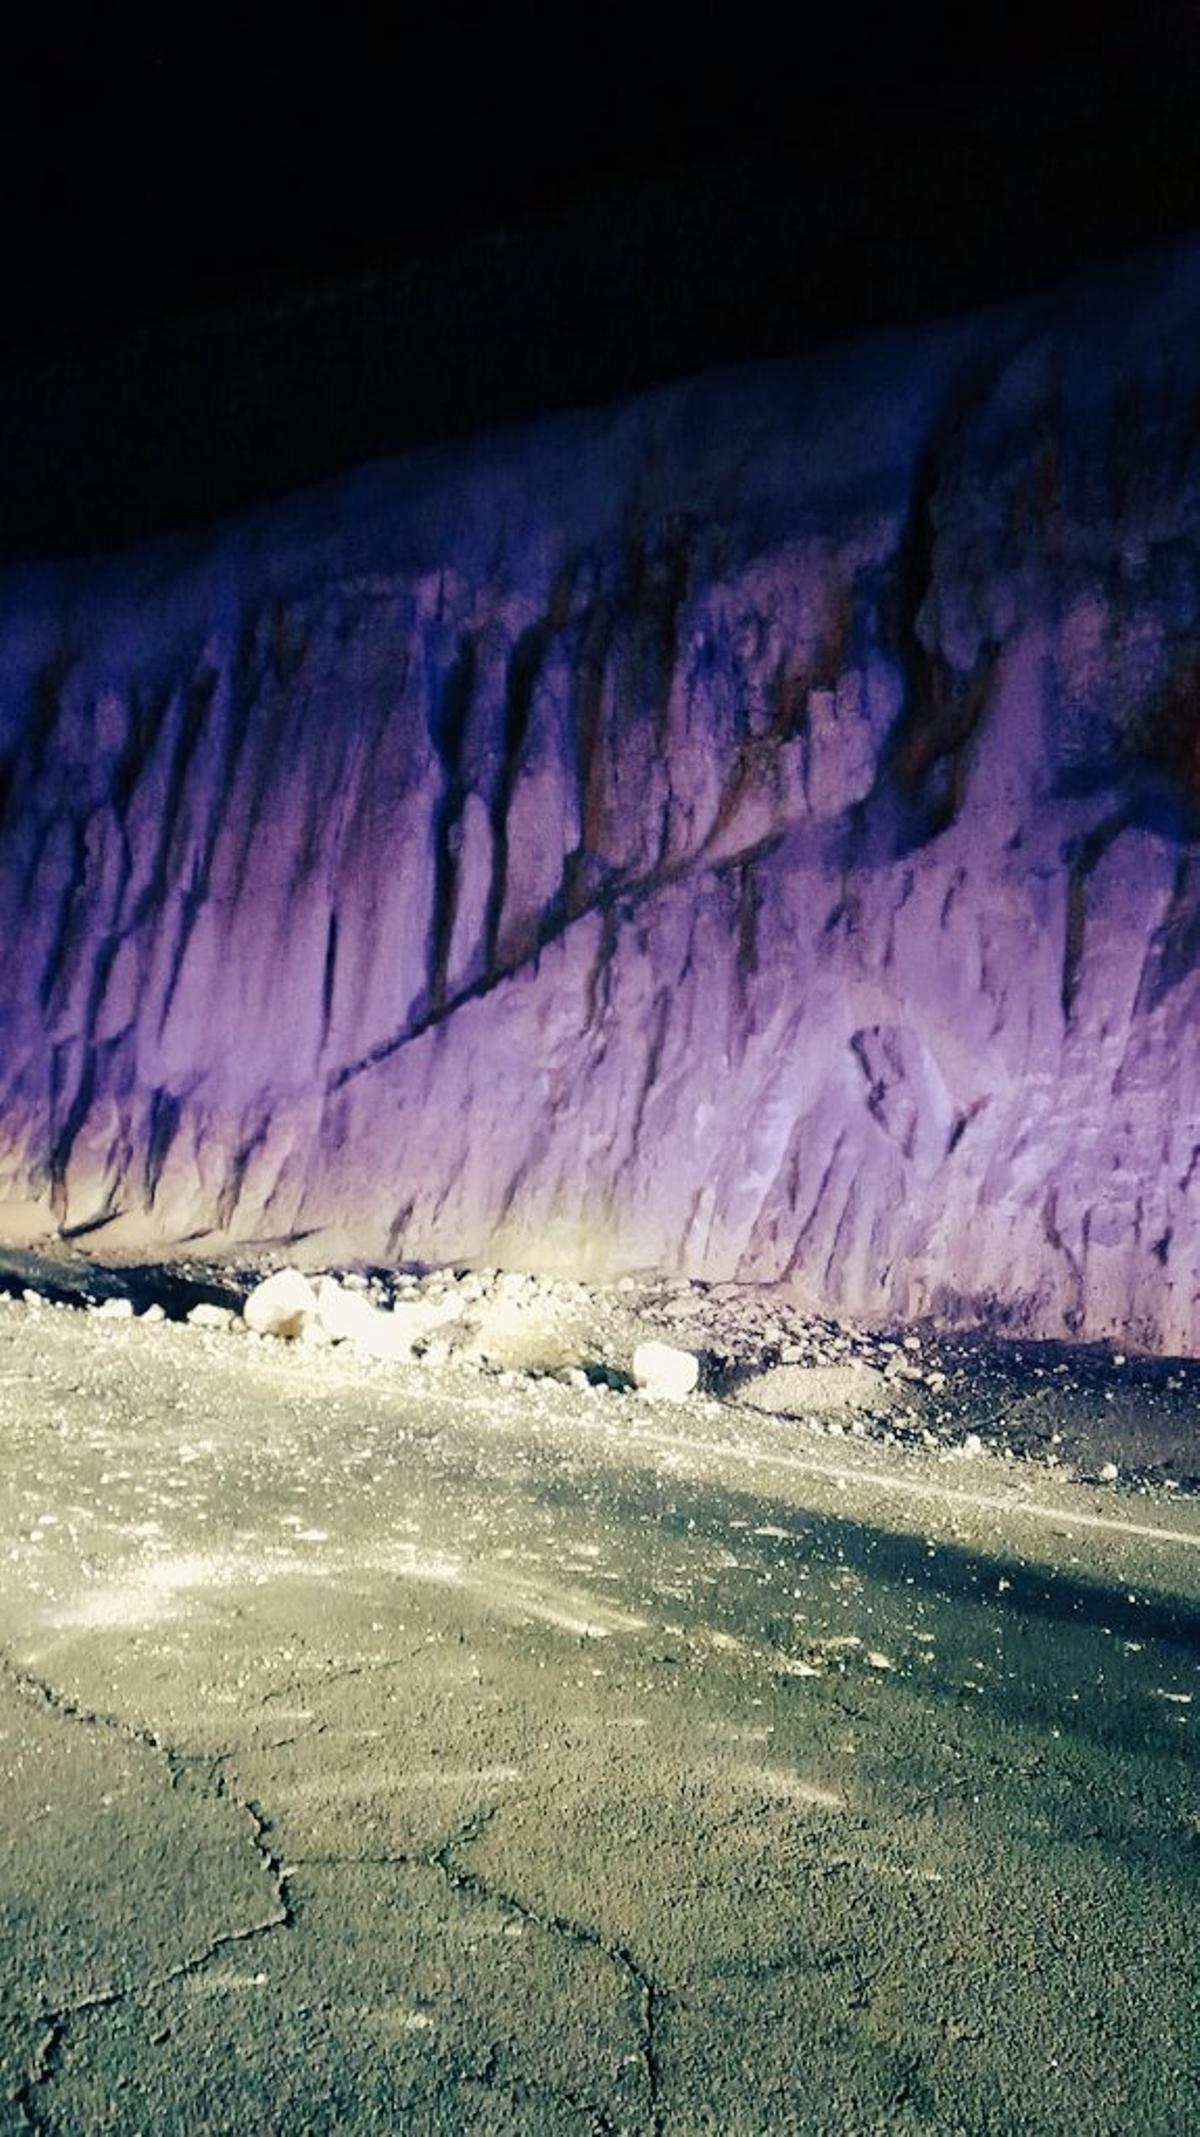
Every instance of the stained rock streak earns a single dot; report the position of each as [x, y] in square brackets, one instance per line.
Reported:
[750, 831]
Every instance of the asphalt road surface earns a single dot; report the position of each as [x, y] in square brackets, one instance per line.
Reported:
[393, 1751]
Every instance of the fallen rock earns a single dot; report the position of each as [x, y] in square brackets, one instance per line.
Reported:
[206, 1315]
[687, 1306]
[348, 1316]
[518, 1333]
[114, 1310]
[281, 1305]
[797, 1390]
[344, 1314]
[662, 1371]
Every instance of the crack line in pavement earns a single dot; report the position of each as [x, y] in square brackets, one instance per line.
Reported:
[58, 2020]
[648, 1994]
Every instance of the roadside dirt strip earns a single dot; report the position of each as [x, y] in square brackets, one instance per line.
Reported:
[400, 1750]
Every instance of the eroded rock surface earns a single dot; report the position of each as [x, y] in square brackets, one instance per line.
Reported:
[750, 832]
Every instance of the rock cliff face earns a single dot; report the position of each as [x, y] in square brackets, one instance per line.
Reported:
[753, 831]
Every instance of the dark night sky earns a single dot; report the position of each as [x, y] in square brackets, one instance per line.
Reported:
[247, 256]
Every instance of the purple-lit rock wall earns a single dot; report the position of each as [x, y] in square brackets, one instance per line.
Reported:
[753, 831]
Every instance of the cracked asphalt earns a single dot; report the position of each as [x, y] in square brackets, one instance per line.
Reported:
[398, 1751]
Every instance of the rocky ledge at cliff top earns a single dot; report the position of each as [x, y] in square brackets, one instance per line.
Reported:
[749, 833]
[1093, 1412]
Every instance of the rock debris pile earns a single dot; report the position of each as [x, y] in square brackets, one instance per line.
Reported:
[1092, 1411]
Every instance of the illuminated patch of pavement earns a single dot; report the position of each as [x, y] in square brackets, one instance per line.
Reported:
[400, 1751]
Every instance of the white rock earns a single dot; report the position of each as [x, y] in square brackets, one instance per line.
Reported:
[1109, 1473]
[114, 1310]
[206, 1315]
[153, 1312]
[349, 1317]
[451, 1306]
[280, 1305]
[343, 1312]
[393, 1335]
[665, 1373]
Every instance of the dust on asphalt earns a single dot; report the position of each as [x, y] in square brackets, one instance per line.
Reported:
[409, 1750]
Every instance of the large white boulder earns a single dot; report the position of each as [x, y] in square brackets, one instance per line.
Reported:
[344, 1314]
[282, 1305]
[665, 1373]
[347, 1316]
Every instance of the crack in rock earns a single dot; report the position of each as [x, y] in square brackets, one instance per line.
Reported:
[58, 2020]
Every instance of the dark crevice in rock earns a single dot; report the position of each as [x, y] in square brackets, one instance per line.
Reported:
[588, 720]
[66, 942]
[1082, 863]
[1073, 1313]
[656, 1039]
[1173, 952]
[239, 1165]
[924, 767]
[67, 1115]
[448, 728]
[329, 975]
[524, 667]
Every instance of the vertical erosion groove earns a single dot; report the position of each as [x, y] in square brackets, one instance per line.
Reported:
[329, 975]
[448, 727]
[524, 668]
